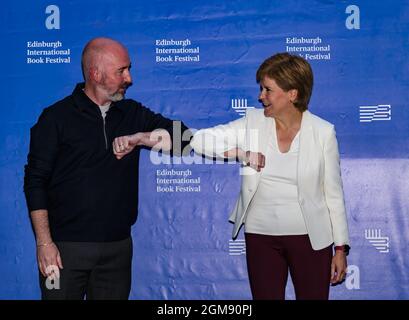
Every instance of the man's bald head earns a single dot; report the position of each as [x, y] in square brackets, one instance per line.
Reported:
[96, 50]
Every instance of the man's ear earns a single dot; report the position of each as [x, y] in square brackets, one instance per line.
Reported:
[95, 74]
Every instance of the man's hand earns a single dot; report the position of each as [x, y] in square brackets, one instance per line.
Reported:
[158, 140]
[48, 256]
[125, 144]
[49, 260]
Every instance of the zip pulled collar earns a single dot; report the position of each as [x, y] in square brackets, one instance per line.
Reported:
[85, 104]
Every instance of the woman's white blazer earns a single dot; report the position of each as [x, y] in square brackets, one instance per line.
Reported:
[320, 192]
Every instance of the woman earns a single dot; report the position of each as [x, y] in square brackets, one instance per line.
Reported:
[291, 200]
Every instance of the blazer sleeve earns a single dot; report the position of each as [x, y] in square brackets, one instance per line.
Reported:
[213, 142]
[334, 194]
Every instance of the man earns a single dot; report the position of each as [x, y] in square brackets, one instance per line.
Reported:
[82, 199]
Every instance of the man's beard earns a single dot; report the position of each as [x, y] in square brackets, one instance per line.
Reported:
[117, 96]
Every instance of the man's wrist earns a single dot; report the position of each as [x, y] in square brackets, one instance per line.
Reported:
[44, 244]
[140, 138]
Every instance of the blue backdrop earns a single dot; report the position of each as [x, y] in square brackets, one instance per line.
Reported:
[196, 61]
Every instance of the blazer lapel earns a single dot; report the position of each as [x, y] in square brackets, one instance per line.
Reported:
[304, 152]
[265, 133]
[257, 135]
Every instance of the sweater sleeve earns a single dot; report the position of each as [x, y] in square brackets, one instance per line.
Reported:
[178, 131]
[40, 161]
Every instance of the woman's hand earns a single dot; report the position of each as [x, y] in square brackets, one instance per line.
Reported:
[255, 160]
[338, 267]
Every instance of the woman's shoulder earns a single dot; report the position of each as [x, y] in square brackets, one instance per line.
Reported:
[255, 113]
[318, 122]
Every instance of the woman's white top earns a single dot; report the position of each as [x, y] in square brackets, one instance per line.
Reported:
[274, 209]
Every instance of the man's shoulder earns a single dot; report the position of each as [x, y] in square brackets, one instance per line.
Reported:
[58, 109]
[129, 104]
[133, 106]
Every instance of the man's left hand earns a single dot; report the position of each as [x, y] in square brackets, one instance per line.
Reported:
[125, 144]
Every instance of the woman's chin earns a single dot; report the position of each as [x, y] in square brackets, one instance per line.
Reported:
[268, 112]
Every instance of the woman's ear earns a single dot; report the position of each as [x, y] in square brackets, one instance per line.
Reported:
[293, 95]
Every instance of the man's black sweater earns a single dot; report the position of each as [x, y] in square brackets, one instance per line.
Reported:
[72, 172]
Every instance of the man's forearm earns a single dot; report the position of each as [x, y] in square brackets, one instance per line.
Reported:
[157, 140]
[41, 226]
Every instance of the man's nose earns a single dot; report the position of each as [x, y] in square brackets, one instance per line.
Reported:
[127, 76]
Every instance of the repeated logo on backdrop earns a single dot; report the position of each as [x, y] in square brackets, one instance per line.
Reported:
[39, 51]
[308, 48]
[240, 106]
[381, 243]
[380, 112]
[237, 247]
[176, 51]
